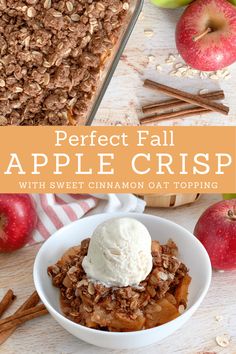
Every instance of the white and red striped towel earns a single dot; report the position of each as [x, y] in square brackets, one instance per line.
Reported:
[57, 210]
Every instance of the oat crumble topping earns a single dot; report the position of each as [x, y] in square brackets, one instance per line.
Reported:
[51, 56]
[155, 301]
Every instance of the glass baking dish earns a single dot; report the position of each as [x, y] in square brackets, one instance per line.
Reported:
[111, 63]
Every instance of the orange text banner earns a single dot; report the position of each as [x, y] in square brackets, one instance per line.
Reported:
[118, 159]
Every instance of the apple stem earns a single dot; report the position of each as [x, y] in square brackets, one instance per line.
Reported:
[201, 35]
[231, 215]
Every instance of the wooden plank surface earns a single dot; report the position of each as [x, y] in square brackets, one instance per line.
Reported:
[44, 335]
[126, 95]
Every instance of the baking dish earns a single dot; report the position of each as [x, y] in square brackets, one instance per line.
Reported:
[111, 63]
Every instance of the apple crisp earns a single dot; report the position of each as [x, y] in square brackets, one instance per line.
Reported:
[160, 298]
[51, 57]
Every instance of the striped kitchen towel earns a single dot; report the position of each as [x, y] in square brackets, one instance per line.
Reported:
[57, 210]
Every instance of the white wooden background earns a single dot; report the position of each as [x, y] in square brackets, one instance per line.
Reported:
[125, 95]
[45, 336]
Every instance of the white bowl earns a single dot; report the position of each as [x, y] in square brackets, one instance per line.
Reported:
[191, 252]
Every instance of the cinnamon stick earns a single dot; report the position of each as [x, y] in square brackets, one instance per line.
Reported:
[187, 97]
[25, 315]
[176, 103]
[22, 313]
[32, 301]
[6, 301]
[184, 113]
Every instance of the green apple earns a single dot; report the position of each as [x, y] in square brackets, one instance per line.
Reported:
[229, 196]
[171, 4]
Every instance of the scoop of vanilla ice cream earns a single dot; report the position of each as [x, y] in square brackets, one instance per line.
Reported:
[119, 253]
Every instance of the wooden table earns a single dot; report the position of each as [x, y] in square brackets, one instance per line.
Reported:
[44, 335]
[125, 95]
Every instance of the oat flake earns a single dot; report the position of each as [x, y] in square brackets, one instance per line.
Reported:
[181, 309]
[69, 6]
[141, 16]
[218, 318]
[203, 91]
[125, 6]
[57, 14]
[47, 4]
[171, 59]
[151, 58]
[3, 121]
[163, 276]
[2, 83]
[148, 33]
[178, 65]
[75, 17]
[223, 341]
[31, 12]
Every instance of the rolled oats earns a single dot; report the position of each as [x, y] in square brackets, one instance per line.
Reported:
[3, 121]
[57, 13]
[26, 42]
[3, 5]
[175, 73]
[151, 58]
[72, 102]
[163, 276]
[47, 4]
[31, 12]
[126, 6]
[88, 308]
[75, 17]
[18, 89]
[227, 76]
[69, 6]
[100, 6]
[171, 59]
[223, 341]
[91, 289]
[81, 283]
[214, 77]
[2, 83]
[46, 79]
[67, 282]
[148, 33]
[218, 318]
[203, 75]
[181, 309]
[203, 91]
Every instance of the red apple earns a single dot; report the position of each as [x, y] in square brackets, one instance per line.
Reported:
[206, 34]
[18, 219]
[216, 229]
